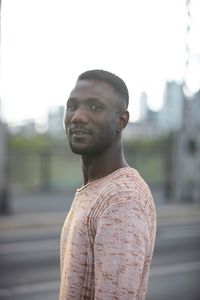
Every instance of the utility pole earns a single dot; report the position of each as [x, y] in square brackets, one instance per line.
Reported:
[4, 198]
[186, 148]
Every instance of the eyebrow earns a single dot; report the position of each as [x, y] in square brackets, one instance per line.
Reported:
[87, 99]
[94, 99]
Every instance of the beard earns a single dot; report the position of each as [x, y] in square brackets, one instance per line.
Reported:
[94, 143]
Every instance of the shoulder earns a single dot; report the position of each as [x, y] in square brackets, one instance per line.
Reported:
[125, 191]
[127, 182]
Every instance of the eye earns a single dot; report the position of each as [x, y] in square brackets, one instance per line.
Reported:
[71, 107]
[93, 107]
[96, 107]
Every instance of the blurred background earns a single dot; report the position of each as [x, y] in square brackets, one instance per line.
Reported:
[155, 47]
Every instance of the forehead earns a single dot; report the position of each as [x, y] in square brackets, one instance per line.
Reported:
[94, 89]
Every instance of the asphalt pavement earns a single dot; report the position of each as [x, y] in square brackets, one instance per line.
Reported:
[29, 250]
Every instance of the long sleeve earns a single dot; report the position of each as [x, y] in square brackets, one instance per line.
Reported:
[107, 239]
[121, 252]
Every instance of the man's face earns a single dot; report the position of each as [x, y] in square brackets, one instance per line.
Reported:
[91, 117]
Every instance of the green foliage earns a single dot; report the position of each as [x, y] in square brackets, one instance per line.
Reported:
[40, 161]
[147, 144]
[36, 142]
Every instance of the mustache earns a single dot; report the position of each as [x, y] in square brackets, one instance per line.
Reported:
[79, 128]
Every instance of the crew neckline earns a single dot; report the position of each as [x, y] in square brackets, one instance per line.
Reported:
[103, 178]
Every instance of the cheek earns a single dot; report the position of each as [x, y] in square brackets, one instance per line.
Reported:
[109, 127]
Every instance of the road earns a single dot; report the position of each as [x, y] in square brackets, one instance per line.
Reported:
[29, 258]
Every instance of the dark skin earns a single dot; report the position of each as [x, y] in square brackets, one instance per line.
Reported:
[94, 120]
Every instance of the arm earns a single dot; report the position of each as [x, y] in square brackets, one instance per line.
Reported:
[120, 250]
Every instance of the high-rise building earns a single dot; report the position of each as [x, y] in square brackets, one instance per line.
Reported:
[186, 154]
[171, 115]
[143, 106]
[55, 121]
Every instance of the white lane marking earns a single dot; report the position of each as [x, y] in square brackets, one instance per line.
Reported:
[175, 268]
[43, 287]
[33, 246]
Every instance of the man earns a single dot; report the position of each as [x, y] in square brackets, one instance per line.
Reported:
[108, 237]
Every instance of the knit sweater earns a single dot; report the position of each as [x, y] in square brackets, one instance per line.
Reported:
[107, 240]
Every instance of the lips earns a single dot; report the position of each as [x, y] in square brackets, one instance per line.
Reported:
[79, 131]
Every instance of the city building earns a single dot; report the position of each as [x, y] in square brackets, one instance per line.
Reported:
[55, 122]
[143, 106]
[140, 130]
[170, 117]
[186, 155]
[27, 128]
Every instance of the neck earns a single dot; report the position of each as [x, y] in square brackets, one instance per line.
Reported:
[103, 164]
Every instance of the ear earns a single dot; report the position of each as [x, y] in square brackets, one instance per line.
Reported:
[122, 120]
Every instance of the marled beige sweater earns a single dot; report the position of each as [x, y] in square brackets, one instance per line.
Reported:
[108, 239]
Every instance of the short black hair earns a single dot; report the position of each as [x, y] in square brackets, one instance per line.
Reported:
[116, 82]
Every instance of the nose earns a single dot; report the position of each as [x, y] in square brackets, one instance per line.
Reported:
[79, 116]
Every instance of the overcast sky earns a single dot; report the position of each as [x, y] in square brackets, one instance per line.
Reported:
[46, 44]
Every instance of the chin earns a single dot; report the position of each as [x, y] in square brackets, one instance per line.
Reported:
[78, 150]
[89, 150]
